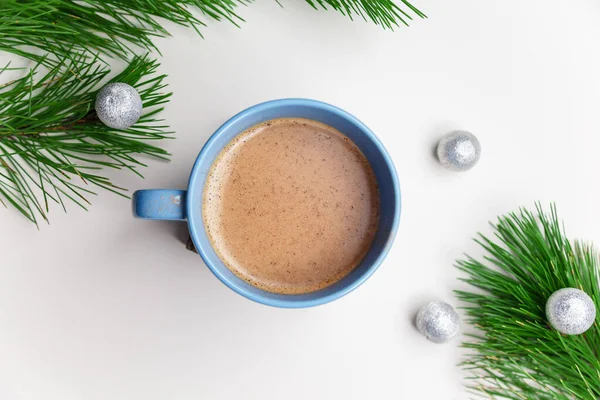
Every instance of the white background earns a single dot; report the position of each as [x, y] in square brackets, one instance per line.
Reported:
[102, 306]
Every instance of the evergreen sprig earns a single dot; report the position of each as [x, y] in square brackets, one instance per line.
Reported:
[116, 27]
[111, 27]
[517, 355]
[52, 145]
[382, 12]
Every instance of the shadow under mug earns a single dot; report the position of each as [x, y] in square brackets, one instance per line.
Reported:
[186, 205]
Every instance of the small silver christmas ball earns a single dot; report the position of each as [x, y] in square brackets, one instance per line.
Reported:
[459, 150]
[438, 321]
[570, 311]
[118, 105]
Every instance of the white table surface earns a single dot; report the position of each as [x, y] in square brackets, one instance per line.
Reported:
[102, 306]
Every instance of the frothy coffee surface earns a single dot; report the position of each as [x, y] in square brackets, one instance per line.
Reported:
[291, 205]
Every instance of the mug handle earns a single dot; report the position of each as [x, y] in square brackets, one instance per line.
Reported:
[164, 204]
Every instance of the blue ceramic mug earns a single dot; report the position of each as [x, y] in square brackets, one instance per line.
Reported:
[186, 205]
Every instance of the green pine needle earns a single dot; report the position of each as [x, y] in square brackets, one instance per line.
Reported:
[517, 355]
[52, 145]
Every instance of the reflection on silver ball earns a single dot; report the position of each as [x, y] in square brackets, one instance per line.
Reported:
[570, 311]
[459, 150]
[438, 321]
[118, 105]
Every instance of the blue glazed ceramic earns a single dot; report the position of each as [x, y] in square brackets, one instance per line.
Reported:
[186, 205]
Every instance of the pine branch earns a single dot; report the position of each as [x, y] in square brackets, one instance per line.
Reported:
[382, 12]
[116, 27]
[518, 355]
[52, 145]
[110, 27]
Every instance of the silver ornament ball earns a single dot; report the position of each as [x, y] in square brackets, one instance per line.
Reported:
[570, 311]
[438, 321]
[118, 105]
[459, 150]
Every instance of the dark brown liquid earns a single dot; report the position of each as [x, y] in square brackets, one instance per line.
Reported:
[291, 206]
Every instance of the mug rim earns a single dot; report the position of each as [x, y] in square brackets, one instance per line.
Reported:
[289, 301]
